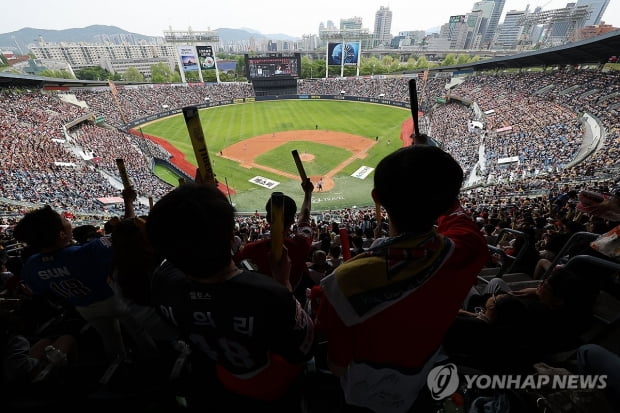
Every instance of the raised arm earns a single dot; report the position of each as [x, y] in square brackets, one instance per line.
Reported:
[129, 197]
[304, 213]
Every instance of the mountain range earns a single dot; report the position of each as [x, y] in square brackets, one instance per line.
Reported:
[20, 40]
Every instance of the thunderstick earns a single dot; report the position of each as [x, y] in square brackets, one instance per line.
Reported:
[122, 171]
[413, 101]
[300, 165]
[192, 121]
[277, 225]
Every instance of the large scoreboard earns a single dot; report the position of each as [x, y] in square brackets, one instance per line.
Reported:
[274, 65]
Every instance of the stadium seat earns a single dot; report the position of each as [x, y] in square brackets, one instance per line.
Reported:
[507, 262]
[575, 241]
[605, 326]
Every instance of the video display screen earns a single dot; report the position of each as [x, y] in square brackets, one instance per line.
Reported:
[267, 67]
[342, 53]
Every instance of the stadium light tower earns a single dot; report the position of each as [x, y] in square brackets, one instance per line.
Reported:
[194, 38]
[565, 21]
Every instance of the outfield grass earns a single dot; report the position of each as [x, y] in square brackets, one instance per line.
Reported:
[226, 125]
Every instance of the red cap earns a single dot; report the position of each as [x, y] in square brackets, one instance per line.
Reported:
[458, 399]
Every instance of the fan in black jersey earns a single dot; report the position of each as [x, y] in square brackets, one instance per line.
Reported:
[250, 325]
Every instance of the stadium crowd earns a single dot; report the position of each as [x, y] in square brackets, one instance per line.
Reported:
[524, 212]
[46, 164]
[137, 102]
[102, 144]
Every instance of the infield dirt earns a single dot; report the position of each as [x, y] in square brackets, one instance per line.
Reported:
[246, 151]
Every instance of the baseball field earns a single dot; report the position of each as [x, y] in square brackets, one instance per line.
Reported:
[250, 148]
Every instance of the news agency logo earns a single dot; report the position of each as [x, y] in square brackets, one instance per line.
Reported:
[443, 381]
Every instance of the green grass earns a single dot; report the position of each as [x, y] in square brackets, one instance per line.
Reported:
[326, 157]
[166, 174]
[226, 125]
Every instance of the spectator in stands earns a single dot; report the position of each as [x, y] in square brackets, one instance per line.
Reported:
[319, 267]
[249, 324]
[298, 243]
[85, 233]
[523, 247]
[324, 241]
[79, 274]
[357, 243]
[334, 258]
[595, 359]
[385, 311]
[487, 233]
[134, 263]
[21, 362]
[523, 325]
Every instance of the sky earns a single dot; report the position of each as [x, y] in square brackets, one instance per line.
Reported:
[294, 18]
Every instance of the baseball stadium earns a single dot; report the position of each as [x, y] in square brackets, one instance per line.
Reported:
[492, 263]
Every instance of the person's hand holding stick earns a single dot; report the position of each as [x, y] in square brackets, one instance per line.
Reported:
[122, 171]
[129, 194]
[308, 188]
[277, 225]
[418, 138]
[192, 121]
[281, 270]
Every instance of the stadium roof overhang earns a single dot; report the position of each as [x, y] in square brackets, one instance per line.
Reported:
[11, 79]
[596, 50]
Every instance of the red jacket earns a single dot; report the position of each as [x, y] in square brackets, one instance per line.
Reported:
[406, 332]
[298, 246]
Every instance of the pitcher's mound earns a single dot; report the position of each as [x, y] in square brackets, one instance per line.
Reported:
[306, 157]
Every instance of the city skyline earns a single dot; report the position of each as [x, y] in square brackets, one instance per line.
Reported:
[291, 19]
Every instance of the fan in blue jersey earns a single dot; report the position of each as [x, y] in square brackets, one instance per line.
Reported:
[79, 274]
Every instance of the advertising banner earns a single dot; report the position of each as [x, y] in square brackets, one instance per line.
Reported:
[205, 57]
[187, 54]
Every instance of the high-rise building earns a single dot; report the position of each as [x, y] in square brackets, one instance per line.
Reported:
[457, 31]
[511, 30]
[452, 35]
[407, 38]
[597, 7]
[493, 22]
[112, 57]
[484, 10]
[85, 55]
[475, 27]
[383, 26]
[485, 6]
[352, 23]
